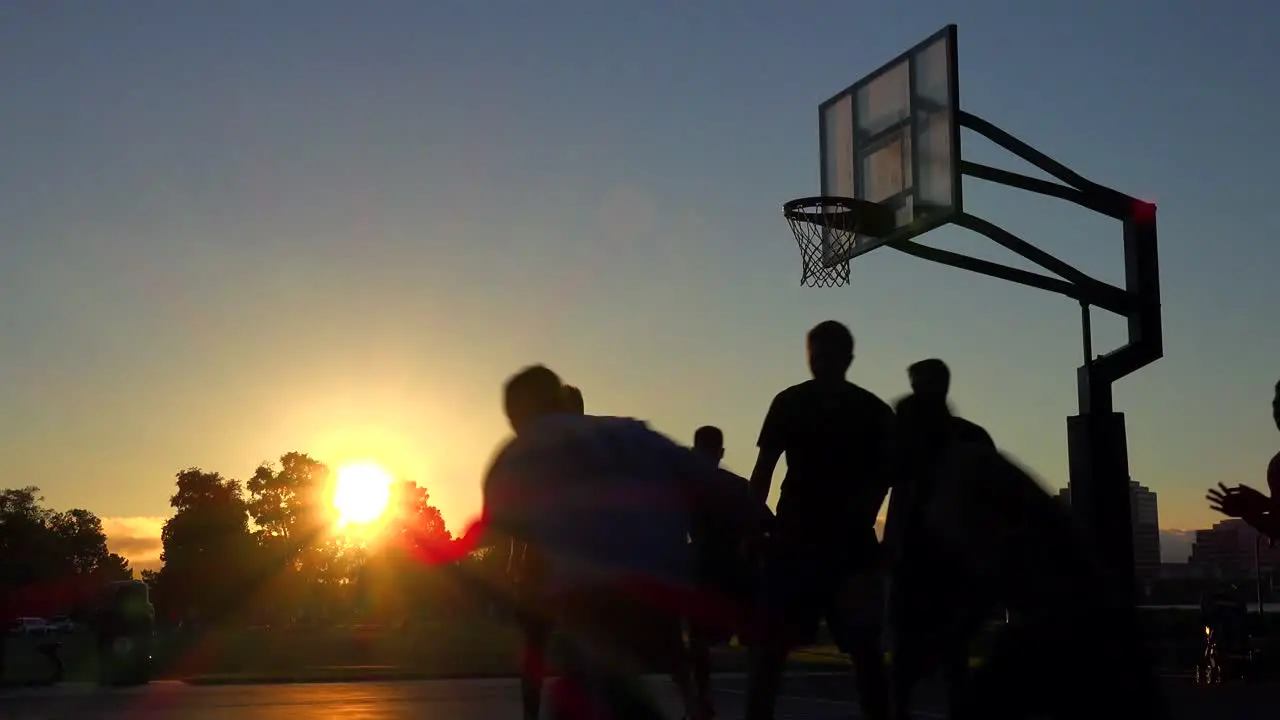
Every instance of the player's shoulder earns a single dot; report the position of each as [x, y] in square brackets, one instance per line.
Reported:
[970, 429]
[517, 451]
[791, 394]
[1273, 475]
[868, 400]
[543, 441]
[812, 390]
[792, 399]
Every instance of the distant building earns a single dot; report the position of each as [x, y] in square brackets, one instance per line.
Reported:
[1144, 510]
[1227, 550]
[1145, 518]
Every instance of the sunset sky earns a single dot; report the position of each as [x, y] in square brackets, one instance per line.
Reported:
[235, 229]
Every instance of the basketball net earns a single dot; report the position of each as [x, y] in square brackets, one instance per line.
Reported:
[820, 230]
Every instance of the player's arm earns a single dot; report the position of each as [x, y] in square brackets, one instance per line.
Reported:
[887, 450]
[505, 512]
[1266, 519]
[1257, 509]
[1273, 480]
[772, 444]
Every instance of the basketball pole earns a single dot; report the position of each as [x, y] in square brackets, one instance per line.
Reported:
[1097, 447]
[1096, 443]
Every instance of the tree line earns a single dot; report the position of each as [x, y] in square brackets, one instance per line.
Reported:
[266, 551]
[51, 562]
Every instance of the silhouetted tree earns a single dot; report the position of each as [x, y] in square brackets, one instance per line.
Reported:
[208, 551]
[290, 509]
[112, 568]
[400, 578]
[26, 555]
[414, 522]
[80, 541]
[51, 561]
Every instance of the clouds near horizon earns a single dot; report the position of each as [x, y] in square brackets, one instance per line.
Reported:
[1175, 545]
[137, 539]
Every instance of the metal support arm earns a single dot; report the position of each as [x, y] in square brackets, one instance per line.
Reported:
[1097, 444]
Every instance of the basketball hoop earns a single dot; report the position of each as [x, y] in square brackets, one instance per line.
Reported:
[828, 229]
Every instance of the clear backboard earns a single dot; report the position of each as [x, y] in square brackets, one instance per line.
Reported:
[893, 138]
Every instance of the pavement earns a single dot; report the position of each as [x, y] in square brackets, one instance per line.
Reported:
[811, 696]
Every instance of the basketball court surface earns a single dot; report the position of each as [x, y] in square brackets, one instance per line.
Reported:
[817, 696]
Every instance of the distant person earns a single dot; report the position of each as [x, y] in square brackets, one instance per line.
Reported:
[526, 571]
[821, 560]
[1242, 501]
[999, 540]
[722, 579]
[607, 503]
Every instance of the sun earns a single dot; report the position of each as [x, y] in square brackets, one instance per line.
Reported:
[361, 493]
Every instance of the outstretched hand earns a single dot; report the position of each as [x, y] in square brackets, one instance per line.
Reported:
[1238, 501]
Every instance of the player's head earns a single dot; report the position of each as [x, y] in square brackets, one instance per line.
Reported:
[573, 400]
[710, 441]
[930, 377]
[531, 393]
[1275, 406]
[830, 350]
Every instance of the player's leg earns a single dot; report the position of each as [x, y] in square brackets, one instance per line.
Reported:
[680, 667]
[719, 609]
[768, 657]
[653, 632]
[604, 662]
[956, 675]
[700, 660]
[905, 674]
[704, 636]
[941, 637]
[535, 624]
[533, 665]
[787, 608]
[654, 637]
[910, 638]
[855, 616]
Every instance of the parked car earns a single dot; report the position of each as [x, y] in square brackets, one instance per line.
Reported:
[125, 624]
[29, 626]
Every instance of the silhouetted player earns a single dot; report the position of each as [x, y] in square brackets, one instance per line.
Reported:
[1242, 501]
[916, 605]
[525, 567]
[1004, 542]
[607, 503]
[821, 559]
[722, 580]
